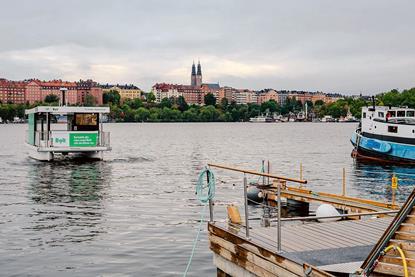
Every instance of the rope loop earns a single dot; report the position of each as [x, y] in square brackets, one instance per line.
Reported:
[205, 192]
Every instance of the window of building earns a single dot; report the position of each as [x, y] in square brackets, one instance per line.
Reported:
[392, 129]
[364, 115]
[401, 113]
[410, 113]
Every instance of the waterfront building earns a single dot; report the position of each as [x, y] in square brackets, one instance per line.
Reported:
[244, 96]
[267, 95]
[125, 91]
[12, 91]
[32, 91]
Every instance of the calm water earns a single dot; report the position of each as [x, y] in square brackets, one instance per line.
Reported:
[136, 213]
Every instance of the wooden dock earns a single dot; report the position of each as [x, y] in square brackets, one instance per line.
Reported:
[336, 248]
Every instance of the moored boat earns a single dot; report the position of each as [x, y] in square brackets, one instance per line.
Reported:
[386, 134]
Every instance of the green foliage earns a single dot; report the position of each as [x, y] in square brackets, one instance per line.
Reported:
[111, 97]
[151, 98]
[90, 101]
[51, 98]
[210, 99]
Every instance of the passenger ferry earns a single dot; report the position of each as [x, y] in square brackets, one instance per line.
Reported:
[66, 130]
[386, 134]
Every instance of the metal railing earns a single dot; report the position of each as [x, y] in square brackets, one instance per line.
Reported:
[278, 182]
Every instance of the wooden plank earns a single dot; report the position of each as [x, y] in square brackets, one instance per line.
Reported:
[397, 260]
[394, 270]
[406, 245]
[266, 253]
[258, 261]
[404, 236]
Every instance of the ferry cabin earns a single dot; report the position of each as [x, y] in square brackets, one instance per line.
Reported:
[389, 124]
[67, 130]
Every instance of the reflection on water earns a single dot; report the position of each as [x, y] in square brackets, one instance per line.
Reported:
[69, 197]
[375, 180]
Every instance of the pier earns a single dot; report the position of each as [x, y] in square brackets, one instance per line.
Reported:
[301, 246]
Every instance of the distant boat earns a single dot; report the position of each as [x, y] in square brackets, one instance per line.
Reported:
[301, 116]
[261, 119]
[349, 118]
[385, 134]
[327, 118]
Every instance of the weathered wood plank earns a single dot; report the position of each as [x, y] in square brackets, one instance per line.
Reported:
[391, 269]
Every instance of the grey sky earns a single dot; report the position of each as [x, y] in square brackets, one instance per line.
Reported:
[363, 46]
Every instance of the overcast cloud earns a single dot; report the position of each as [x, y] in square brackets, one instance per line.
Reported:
[363, 46]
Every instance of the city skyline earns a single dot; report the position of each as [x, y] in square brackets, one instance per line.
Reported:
[320, 46]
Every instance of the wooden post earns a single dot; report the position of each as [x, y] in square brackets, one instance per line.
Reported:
[344, 182]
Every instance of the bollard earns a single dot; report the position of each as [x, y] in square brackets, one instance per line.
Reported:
[344, 182]
[246, 207]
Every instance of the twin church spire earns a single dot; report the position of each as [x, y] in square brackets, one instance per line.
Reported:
[196, 77]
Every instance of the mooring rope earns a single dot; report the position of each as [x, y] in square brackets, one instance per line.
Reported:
[203, 196]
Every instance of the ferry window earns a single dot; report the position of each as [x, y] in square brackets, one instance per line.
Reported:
[392, 114]
[401, 113]
[410, 113]
[364, 115]
[392, 129]
[85, 122]
[381, 114]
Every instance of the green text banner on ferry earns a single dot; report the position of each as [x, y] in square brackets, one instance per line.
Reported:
[83, 139]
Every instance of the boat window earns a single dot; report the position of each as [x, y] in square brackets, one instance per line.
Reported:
[401, 113]
[85, 122]
[391, 114]
[381, 114]
[392, 129]
[410, 113]
[364, 115]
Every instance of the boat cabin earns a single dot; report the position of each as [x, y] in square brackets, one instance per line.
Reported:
[388, 121]
[67, 130]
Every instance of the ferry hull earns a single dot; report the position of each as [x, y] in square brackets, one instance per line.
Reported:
[380, 151]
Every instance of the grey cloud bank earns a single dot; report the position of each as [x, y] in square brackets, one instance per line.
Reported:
[348, 47]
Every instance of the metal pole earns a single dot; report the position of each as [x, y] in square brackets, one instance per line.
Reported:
[279, 217]
[210, 201]
[263, 169]
[246, 206]
[268, 171]
[344, 182]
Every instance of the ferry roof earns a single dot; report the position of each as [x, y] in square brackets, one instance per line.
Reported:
[67, 110]
[387, 108]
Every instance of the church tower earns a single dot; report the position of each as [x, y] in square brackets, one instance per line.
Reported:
[193, 76]
[199, 75]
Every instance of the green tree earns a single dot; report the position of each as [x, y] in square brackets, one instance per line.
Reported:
[191, 115]
[209, 113]
[210, 99]
[51, 98]
[151, 98]
[141, 115]
[89, 101]
[134, 103]
[112, 96]
[165, 103]
[181, 103]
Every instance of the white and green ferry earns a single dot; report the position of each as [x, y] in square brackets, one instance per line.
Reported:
[64, 130]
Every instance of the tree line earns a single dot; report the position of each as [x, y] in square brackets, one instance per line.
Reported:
[177, 110]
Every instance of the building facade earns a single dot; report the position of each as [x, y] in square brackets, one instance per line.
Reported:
[125, 91]
[32, 91]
